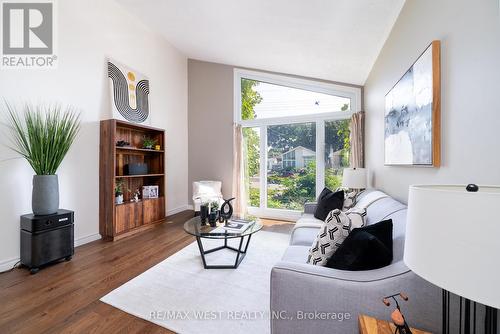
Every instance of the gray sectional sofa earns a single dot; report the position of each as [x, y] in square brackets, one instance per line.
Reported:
[313, 299]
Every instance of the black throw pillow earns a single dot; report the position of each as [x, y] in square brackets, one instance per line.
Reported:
[366, 248]
[328, 201]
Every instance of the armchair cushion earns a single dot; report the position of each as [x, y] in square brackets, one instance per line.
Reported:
[206, 191]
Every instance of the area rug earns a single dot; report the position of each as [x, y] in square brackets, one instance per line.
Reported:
[182, 296]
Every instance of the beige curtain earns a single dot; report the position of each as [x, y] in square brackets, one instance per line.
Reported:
[239, 186]
[357, 137]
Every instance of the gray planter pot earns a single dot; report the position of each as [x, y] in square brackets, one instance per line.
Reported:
[45, 197]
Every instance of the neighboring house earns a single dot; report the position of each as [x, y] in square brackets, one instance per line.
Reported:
[334, 159]
[297, 157]
[273, 163]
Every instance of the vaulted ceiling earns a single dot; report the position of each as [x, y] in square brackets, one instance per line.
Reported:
[335, 40]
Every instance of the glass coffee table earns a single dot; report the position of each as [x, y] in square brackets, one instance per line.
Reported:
[194, 227]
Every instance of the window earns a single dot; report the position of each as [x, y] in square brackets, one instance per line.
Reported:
[296, 139]
[275, 101]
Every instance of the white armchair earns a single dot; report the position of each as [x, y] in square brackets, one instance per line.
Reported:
[206, 191]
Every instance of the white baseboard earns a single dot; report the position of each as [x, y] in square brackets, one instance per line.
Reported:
[7, 264]
[179, 209]
[279, 214]
[86, 239]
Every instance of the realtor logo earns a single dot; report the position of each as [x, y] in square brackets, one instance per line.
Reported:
[28, 34]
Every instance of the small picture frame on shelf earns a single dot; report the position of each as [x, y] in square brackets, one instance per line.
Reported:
[153, 191]
[150, 192]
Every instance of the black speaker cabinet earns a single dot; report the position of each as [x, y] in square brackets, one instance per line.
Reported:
[46, 239]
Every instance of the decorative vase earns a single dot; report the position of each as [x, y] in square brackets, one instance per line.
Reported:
[203, 214]
[226, 210]
[119, 199]
[212, 218]
[45, 196]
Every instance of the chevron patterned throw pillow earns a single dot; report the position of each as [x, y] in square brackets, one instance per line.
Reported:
[333, 232]
[350, 200]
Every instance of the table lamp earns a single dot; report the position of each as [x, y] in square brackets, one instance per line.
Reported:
[453, 241]
[354, 178]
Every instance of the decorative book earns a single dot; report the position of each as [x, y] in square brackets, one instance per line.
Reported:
[237, 225]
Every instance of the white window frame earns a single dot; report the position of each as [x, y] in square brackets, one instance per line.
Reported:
[351, 92]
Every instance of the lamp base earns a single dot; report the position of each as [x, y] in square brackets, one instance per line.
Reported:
[468, 316]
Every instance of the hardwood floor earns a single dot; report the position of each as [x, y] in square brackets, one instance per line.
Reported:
[64, 298]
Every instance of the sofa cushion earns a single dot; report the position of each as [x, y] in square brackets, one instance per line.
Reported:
[305, 230]
[308, 219]
[304, 236]
[296, 254]
[330, 236]
[368, 197]
[328, 201]
[399, 230]
[381, 209]
[365, 248]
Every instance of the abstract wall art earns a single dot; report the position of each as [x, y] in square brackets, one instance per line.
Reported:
[129, 94]
[413, 114]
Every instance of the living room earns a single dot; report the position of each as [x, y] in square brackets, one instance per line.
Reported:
[249, 167]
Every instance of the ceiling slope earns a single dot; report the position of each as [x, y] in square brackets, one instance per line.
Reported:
[335, 40]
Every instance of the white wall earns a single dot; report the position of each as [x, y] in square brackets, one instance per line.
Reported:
[90, 31]
[470, 46]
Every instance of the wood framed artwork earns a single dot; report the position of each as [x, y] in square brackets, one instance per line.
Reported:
[129, 94]
[412, 119]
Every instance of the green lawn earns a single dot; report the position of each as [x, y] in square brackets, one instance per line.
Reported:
[293, 190]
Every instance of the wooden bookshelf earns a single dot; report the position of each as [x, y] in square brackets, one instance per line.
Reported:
[119, 220]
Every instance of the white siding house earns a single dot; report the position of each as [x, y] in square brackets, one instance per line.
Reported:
[297, 157]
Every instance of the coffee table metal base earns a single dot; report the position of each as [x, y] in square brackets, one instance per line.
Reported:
[240, 253]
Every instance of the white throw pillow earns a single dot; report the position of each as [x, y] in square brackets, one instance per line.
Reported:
[337, 226]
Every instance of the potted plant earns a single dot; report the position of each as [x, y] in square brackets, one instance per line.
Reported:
[148, 142]
[214, 206]
[136, 195]
[212, 218]
[43, 135]
[119, 192]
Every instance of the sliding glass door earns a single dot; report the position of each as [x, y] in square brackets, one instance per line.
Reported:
[251, 149]
[336, 154]
[291, 165]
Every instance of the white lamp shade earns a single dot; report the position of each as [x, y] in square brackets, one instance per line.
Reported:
[453, 240]
[354, 178]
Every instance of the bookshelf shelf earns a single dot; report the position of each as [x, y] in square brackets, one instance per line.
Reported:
[134, 176]
[123, 148]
